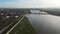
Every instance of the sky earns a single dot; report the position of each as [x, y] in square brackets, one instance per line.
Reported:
[29, 3]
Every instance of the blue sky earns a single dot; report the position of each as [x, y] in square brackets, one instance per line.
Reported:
[29, 3]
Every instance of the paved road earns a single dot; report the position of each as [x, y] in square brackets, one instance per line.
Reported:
[1, 31]
[15, 25]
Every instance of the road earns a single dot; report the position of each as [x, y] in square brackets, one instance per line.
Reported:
[15, 25]
[5, 28]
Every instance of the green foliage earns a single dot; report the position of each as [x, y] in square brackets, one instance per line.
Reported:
[6, 22]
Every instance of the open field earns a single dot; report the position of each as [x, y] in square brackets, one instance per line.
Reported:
[23, 28]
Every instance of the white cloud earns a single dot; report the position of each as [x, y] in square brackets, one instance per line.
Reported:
[34, 4]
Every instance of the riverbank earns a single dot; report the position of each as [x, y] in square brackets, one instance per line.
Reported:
[23, 28]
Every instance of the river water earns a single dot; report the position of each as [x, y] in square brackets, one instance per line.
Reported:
[45, 24]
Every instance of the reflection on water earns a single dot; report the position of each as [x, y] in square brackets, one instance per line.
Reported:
[45, 24]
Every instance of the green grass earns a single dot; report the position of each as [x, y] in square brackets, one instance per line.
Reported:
[23, 28]
[6, 22]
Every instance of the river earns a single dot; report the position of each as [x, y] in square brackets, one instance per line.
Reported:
[45, 24]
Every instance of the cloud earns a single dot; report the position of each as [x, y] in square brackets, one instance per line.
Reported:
[30, 3]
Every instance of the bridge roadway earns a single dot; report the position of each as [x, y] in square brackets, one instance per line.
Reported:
[39, 13]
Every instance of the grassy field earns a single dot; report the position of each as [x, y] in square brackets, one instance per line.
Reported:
[23, 28]
[6, 22]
